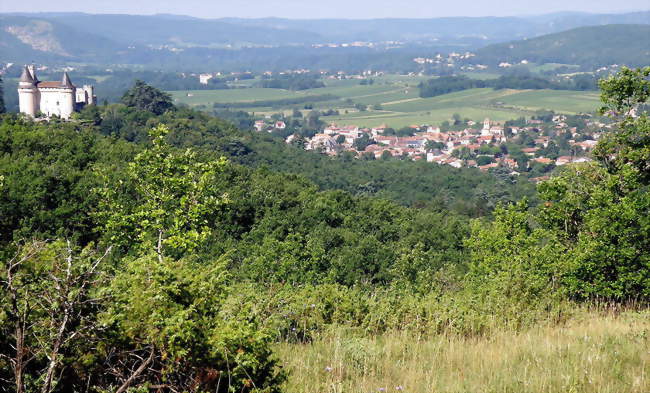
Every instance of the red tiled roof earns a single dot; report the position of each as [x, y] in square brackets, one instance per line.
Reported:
[51, 85]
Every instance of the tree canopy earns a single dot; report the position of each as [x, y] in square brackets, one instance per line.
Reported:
[147, 98]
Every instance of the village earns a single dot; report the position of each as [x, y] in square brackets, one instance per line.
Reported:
[484, 147]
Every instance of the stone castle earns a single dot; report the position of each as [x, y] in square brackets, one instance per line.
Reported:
[52, 98]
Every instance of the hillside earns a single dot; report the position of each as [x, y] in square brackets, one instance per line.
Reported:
[588, 46]
[27, 38]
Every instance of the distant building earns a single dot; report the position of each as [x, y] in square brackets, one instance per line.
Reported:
[52, 98]
[205, 78]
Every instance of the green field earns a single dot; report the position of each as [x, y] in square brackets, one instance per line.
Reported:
[557, 100]
[400, 104]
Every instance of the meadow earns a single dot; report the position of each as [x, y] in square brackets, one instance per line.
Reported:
[393, 100]
[593, 352]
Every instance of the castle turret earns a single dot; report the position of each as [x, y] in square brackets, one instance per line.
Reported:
[28, 95]
[67, 97]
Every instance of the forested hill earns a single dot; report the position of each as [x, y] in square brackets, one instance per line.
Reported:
[588, 46]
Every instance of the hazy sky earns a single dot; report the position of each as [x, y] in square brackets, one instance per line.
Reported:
[326, 8]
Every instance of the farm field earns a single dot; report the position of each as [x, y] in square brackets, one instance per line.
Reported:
[394, 101]
[592, 353]
[557, 100]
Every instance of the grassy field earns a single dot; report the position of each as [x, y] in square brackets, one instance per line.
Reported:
[400, 104]
[592, 353]
[557, 100]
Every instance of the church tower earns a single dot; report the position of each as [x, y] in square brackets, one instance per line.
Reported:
[28, 94]
[486, 127]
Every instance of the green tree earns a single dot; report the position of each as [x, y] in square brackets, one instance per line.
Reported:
[516, 269]
[362, 142]
[147, 98]
[171, 197]
[433, 145]
[629, 144]
[2, 97]
[601, 209]
[166, 303]
[48, 309]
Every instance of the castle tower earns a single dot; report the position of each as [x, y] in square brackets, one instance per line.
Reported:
[28, 94]
[67, 97]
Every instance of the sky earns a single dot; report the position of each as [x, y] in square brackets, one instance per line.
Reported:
[311, 9]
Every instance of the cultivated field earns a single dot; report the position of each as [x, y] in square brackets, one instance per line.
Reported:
[394, 101]
[592, 353]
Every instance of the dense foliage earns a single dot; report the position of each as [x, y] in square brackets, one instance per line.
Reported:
[146, 98]
[2, 97]
[293, 82]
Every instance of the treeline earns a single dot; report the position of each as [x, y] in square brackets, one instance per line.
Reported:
[292, 82]
[450, 84]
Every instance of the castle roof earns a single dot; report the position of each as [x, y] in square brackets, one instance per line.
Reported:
[26, 76]
[65, 83]
[66, 80]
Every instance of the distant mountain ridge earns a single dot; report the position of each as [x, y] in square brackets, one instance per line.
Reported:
[128, 39]
[490, 28]
[155, 29]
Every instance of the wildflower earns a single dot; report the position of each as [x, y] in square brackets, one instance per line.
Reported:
[382, 389]
[328, 369]
[399, 387]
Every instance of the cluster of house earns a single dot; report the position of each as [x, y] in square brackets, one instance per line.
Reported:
[359, 44]
[204, 78]
[433, 145]
[440, 59]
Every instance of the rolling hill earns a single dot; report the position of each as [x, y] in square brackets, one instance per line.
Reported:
[592, 45]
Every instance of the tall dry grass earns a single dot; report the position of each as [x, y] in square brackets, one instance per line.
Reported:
[593, 352]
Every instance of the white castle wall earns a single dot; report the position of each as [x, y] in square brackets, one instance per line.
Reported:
[57, 101]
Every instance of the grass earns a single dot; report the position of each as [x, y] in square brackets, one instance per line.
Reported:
[564, 101]
[593, 352]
